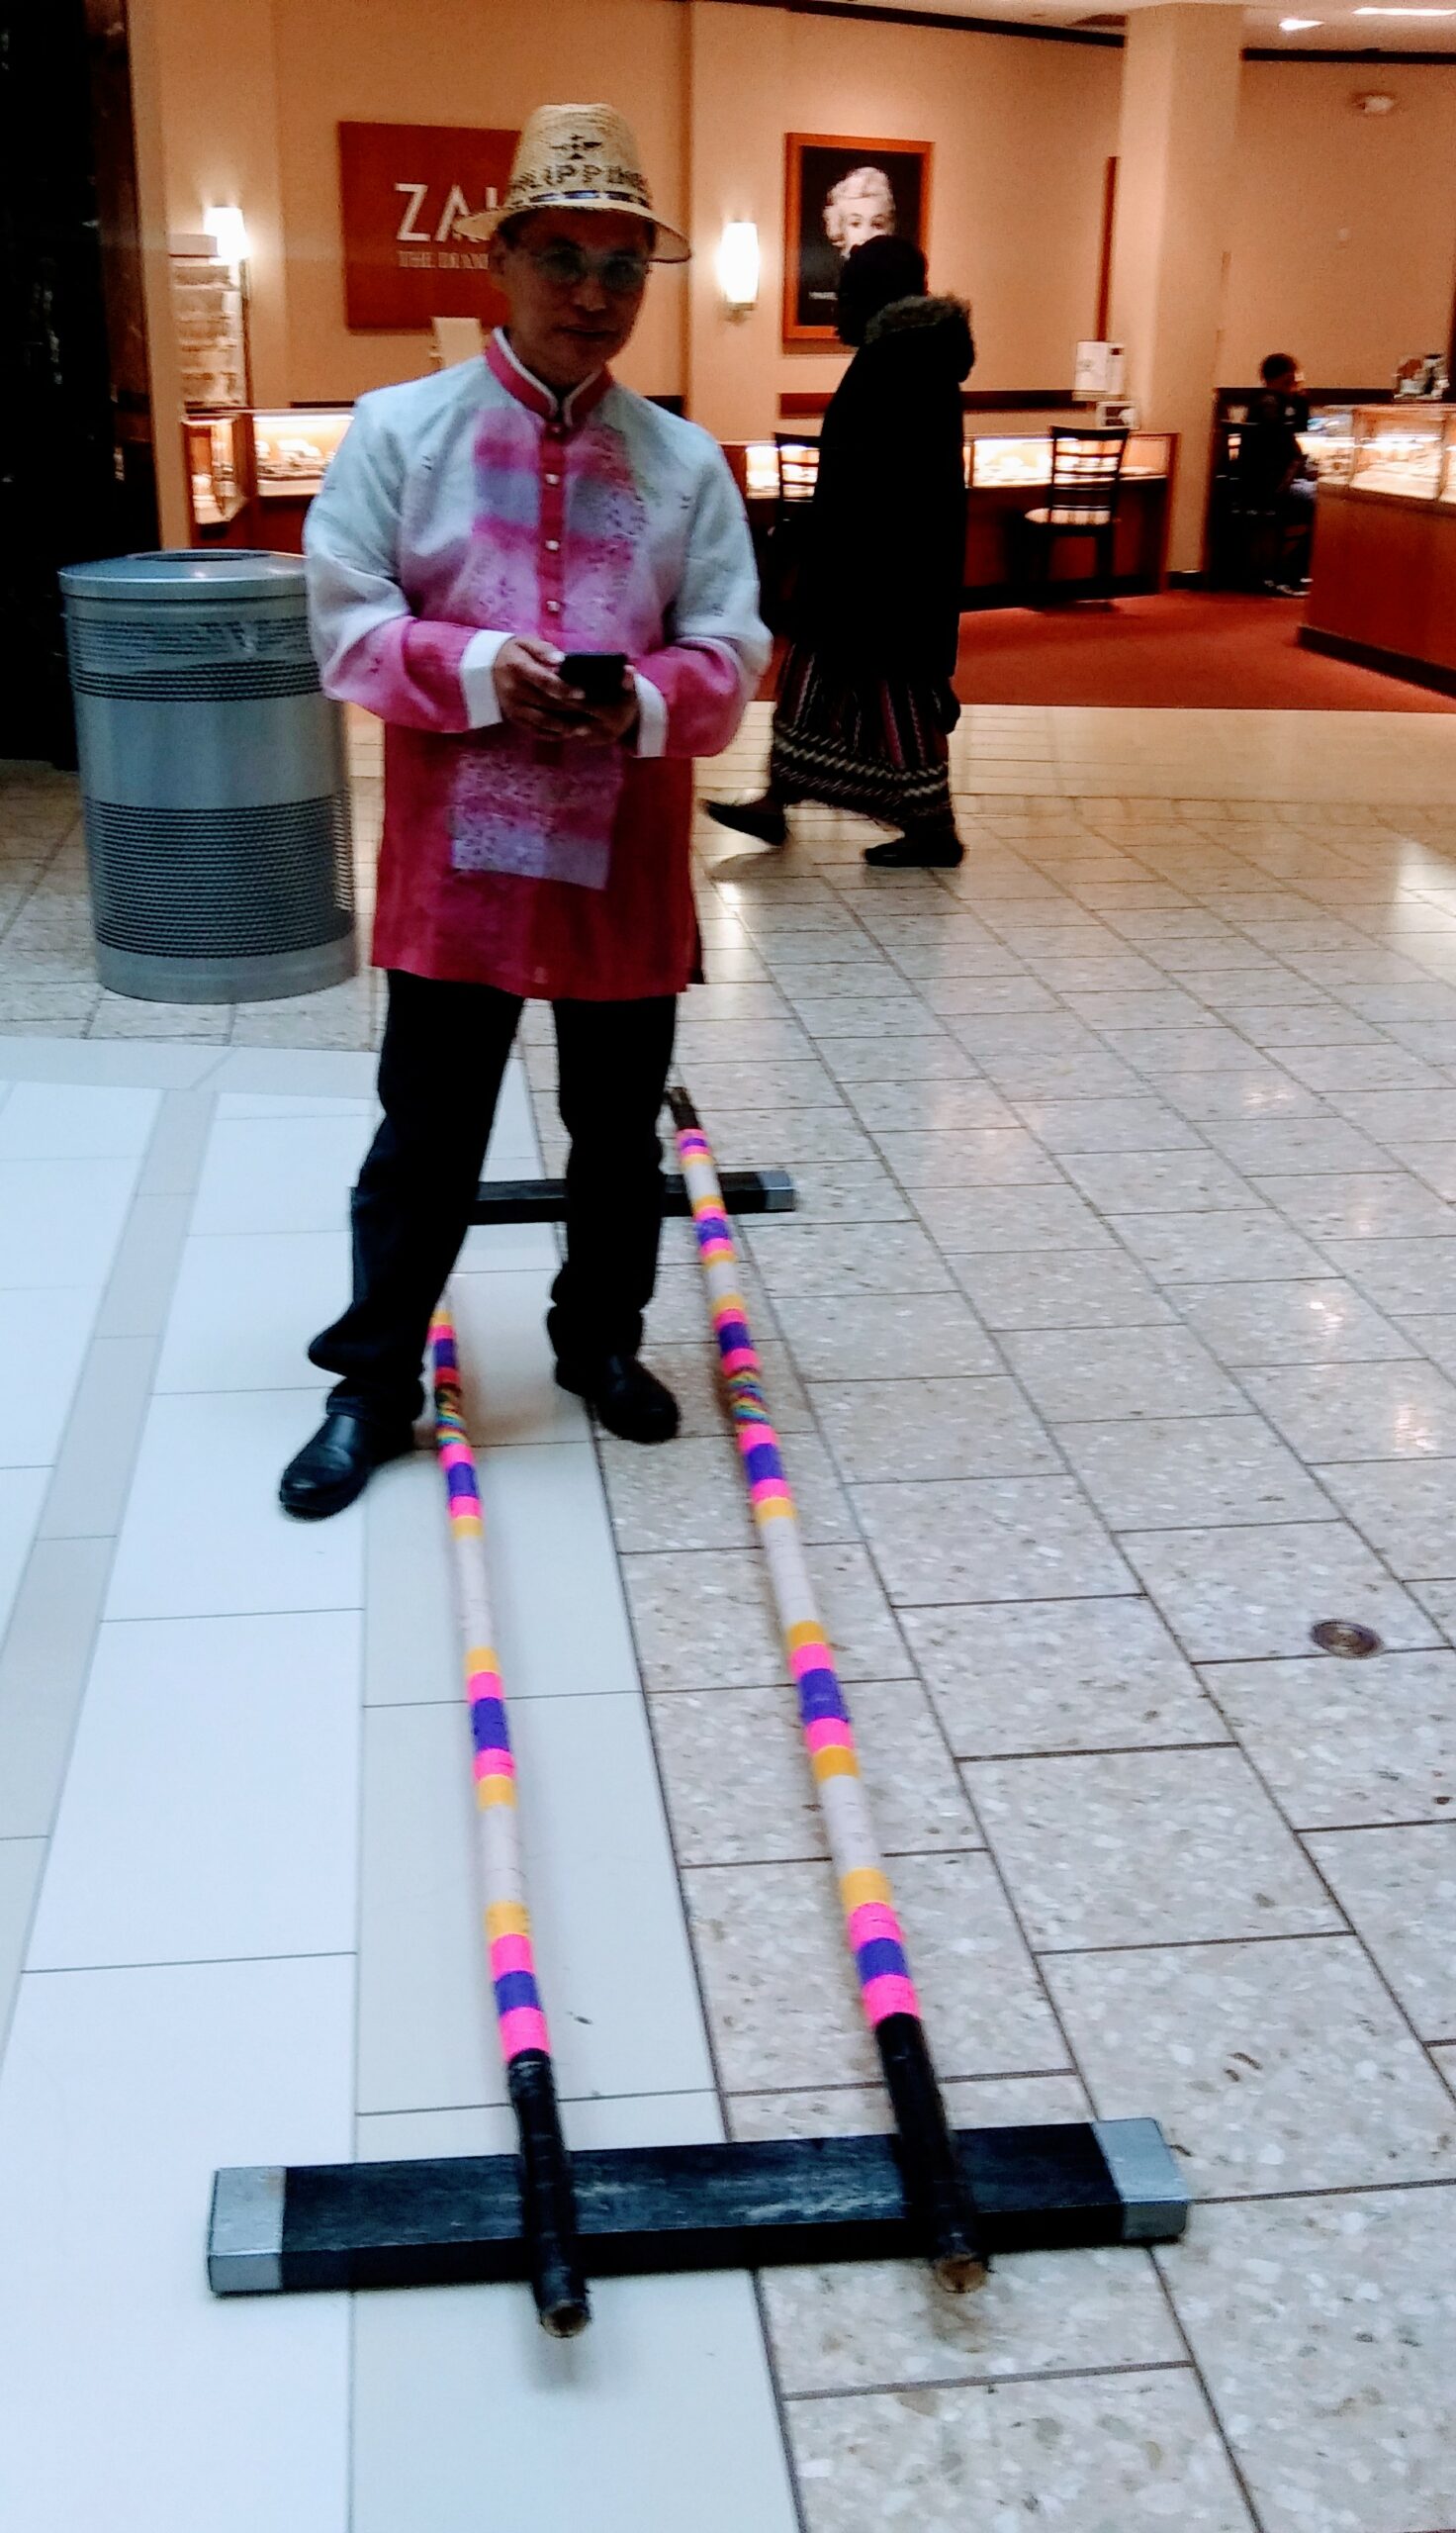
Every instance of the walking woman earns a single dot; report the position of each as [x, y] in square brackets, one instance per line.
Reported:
[866, 704]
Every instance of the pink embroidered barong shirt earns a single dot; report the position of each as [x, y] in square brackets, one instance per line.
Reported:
[471, 506]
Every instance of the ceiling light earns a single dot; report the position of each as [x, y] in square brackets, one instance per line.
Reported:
[1298, 25]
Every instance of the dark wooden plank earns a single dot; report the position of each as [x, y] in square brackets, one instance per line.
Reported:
[543, 1201]
[441, 2221]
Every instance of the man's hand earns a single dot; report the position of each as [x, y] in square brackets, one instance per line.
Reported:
[532, 697]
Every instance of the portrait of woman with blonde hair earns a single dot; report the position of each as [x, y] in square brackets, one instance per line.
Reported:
[860, 206]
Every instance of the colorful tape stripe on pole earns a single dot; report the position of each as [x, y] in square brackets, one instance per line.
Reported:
[548, 2208]
[876, 1944]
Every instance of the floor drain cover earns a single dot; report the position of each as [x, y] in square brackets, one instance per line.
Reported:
[1344, 1635]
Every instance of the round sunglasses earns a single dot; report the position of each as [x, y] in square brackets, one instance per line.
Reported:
[621, 270]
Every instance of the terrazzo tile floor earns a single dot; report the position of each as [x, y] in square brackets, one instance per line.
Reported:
[1115, 1346]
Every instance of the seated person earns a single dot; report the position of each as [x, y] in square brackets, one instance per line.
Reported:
[1275, 476]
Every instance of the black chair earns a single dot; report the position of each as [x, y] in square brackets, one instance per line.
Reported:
[1082, 502]
[798, 468]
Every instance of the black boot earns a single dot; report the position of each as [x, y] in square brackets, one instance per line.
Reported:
[762, 820]
[629, 1400]
[338, 1464]
[918, 849]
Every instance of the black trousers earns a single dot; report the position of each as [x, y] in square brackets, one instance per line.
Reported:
[440, 1069]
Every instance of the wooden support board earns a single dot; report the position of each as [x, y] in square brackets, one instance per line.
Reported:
[645, 2210]
[543, 1201]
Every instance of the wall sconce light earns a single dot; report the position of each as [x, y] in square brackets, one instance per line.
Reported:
[738, 267]
[228, 230]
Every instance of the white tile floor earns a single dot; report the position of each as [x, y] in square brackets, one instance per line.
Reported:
[1116, 1340]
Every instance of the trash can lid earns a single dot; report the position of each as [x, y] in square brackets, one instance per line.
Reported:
[185, 573]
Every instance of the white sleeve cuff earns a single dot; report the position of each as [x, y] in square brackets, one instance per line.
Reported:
[652, 717]
[478, 679]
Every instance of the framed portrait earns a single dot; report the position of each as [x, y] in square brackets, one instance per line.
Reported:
[837, 192]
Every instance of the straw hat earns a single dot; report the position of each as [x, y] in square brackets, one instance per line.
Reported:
[577, 158]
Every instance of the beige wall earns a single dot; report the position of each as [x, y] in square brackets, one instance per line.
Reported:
[1022, 133]
[252, 92]
[217, 97]
[244, 97]
[467, 61]
[1343, 227]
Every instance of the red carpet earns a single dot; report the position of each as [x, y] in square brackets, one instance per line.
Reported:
[1190, 647]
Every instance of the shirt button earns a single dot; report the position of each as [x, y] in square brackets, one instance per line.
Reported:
[553, 606]
[553, 479]
[553, 544]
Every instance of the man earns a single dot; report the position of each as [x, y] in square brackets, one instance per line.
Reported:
[1274, 474]
[475, 528]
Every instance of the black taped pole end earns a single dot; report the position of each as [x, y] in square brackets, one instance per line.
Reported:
[547, 2198]
[936, 2196]
[681, 1108]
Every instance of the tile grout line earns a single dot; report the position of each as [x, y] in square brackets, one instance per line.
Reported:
[1073, 2059]
[1213, 2410]
[711, 2041]
[73, 1423]
[994, 2380]
[1336, 1904]
[1256, 1772]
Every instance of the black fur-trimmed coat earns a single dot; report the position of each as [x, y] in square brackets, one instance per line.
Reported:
[880, 578]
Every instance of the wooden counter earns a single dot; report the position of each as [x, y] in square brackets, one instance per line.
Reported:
[1383, 584]
[1007, 475]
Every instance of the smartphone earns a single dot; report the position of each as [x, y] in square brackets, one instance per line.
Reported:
[599, 677]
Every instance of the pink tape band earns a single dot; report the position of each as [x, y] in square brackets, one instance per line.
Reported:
[831, 1732]
[494, 1763]
[753, 1437]
[510, 1952]
[523, 2028]
[890, 1995]
[814, 1656]
[874, 1921]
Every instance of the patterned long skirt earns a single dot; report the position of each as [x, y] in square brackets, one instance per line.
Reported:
[876, 745]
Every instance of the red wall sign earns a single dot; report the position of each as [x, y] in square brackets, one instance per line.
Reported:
[401, 188]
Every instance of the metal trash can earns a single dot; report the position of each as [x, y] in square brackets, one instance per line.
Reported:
[213, 776]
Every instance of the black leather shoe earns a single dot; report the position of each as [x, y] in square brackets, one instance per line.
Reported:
[757, 818]
[629, 1399]
[338, 1464]
[918, 849]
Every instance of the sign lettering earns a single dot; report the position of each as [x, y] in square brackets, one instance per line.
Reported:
[407, 232]
[403, 190]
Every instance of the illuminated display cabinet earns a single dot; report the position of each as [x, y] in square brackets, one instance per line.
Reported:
[253, 475]
[1383, 589]
[1007, 474]
[292, 450]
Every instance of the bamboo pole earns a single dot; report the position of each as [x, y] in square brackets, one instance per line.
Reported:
[548, 2203]
[935, 2191]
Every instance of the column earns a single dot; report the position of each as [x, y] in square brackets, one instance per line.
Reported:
[1175, 149]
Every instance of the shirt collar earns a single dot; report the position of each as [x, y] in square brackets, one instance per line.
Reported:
[528, 390]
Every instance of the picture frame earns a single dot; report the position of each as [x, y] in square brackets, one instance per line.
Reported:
[818, 231]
